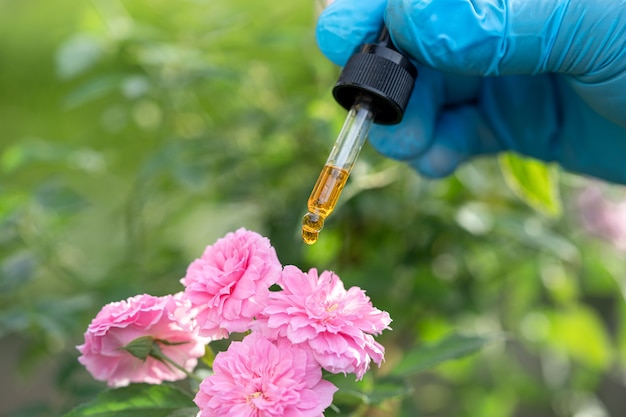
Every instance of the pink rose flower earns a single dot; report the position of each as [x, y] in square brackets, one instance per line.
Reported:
[259, 378]
[335, 324]
[230, 283]
[165, 320]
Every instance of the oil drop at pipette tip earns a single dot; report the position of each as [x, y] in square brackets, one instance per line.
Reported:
[309, 237]
[311, 226]
[322, 201]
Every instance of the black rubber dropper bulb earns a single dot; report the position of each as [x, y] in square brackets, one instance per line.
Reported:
[382, 73]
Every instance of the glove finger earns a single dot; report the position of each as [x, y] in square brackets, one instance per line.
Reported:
[500, 37]
[525, 113]
[460, 133]
[414, 135]
[606, 97]
[345, 25]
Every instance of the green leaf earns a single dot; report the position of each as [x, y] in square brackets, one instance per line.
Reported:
[387, 389]
[17, 270]
[209, 356]
[581, 333]
[92, 89]
[350, 391]
[138, 400]
[54, 195]
[28, 152]
[184, 412]
[370, 391]
[140, 347]
[77, 55]
[535, 182]
[428, 356]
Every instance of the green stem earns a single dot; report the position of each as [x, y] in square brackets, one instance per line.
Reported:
[158, 354]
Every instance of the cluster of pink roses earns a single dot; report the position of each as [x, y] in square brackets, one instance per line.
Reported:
[311, 323]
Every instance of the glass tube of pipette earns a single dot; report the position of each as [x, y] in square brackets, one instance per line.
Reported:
[335, 173]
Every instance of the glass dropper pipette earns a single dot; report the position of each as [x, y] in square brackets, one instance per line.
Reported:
[335, 173]
[375, 86]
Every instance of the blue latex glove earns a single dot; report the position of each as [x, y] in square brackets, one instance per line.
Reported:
[545, 78]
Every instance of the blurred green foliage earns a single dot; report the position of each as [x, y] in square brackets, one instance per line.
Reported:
[134, 133]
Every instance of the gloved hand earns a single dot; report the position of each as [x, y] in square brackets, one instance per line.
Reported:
[544, 78]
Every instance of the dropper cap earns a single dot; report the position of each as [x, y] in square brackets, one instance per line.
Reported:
[382, 73]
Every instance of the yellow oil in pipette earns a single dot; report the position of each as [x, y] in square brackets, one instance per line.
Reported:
[322, 201]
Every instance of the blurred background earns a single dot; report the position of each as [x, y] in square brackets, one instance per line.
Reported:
[134, 133]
